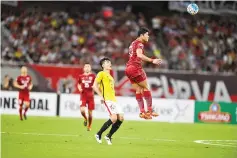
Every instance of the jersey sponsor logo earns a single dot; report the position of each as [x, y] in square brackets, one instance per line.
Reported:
[25, 82]
[86, 81]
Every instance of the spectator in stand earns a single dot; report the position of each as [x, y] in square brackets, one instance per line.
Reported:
[198, 43]
[7, 83]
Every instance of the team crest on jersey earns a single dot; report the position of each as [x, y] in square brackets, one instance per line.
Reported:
[90, 78]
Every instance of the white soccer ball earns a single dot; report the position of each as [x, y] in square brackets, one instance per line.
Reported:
[192, 8]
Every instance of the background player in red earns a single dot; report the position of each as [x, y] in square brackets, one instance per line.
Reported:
[85, 83]
[137, 75]
[24, 84]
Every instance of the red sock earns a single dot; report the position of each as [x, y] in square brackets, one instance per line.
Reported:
[90, 121]
[84, 114]
[20, 112]
[26, 109]
[148, 98]
[140, 102]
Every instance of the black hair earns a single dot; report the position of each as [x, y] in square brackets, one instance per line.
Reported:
[103, 60]
[142, 31]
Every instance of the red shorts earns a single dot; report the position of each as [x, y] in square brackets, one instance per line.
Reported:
[89, 102]
[135, 75]
[23, 98]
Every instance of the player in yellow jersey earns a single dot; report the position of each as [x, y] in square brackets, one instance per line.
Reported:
[104, 87]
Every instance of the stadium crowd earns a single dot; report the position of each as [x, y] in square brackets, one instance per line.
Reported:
[184, 42]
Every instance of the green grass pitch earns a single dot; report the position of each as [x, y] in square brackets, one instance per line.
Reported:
[53, 137]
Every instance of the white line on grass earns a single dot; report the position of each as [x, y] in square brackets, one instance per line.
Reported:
[227, 143]
[74, 135]
[217, 142]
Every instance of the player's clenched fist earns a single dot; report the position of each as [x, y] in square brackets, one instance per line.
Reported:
[157, 61]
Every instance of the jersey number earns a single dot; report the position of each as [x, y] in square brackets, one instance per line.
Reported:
[86, 85]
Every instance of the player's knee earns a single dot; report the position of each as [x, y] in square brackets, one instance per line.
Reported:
[113, 118]
[146, 89]
[27, 104]
[90, 113]
[121, 118]
[138, 90]
[82, 109]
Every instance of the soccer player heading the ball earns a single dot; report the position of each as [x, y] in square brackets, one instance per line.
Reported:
[137, 75]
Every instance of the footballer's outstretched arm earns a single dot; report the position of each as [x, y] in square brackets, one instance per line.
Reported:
[145, 58]
[142, 56]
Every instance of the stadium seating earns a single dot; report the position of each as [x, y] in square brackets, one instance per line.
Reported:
[184, 42]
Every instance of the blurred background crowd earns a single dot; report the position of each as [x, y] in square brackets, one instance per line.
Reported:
[184, 42]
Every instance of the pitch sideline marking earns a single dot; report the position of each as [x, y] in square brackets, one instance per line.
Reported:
[207, 142]
[218, 142]
[74, 135]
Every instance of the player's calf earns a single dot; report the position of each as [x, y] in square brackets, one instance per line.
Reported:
[20, 109]
[27, 104]
[90, 120]
[104, 127]
[114, 128]
[83, 113]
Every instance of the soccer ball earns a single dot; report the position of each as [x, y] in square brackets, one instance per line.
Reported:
[192, 9]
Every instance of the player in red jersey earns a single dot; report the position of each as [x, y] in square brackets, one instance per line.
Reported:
[85, 83]
[24, 84]
[137, 75]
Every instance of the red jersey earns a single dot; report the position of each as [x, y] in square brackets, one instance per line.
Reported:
[25, 81]
[86, 82]
[133, 58]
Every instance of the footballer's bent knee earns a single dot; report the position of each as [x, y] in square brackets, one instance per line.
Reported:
[121, 118]
[113, 118]
[27, 104]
